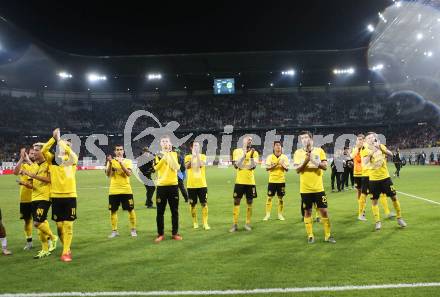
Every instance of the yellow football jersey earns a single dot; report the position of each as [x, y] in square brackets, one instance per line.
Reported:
[310, 179]
[41, 190]
[244, 176]
[25, 193]
[63, 176]
[377, 168]
[196, 176]
[277, 174]
[119, 181]
[166, 169]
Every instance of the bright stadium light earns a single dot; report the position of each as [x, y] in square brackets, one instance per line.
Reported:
[289, 72]
[377, 67]
[382, 17]
[419, 36]
[370, 28]
[428, 54]
[348, 71]
[154, 76]
[64, 75]
[94, 77]
[398, 4]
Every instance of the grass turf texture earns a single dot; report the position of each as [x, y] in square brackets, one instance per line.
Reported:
[274, 255]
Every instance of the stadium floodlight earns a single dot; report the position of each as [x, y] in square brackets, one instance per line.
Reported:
[94, 77]
[377, 67]
[428, 54]
[154, 76]
[370, 28]
[419, 36]
[289, 72]
[271, 84]
[348, 71]
[382, 17]
[398, 4]
[64, 75]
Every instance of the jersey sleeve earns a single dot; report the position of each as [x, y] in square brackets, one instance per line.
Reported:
[322, 155]
[269, 160]
[187, 158]
[296, 158]
[236, 155]
[129, 164]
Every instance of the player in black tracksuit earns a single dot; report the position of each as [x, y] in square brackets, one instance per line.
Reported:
[147, 170]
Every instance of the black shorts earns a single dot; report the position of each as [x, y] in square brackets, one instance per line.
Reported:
[200, 194]
[278, 189]
[63, 209]
[365, 185]
[249, 190]
[25, 210]
[385, 186]
[40, 208]
[308, 199]
[126, 200]
[165, 193]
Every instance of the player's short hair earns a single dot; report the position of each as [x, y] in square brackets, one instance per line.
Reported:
[37, 145]
[277, 141]
[370, 133]
[165, 136]
[304, 132]
[361, 135]
[118, 145]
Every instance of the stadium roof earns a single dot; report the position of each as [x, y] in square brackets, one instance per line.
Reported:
[26, 62]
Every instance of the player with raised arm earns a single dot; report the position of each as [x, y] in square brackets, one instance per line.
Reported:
[310, 163]
[277, 164]
[25, 183]
[245, 161]
[195, 164]
[374, 158]
[119, 170]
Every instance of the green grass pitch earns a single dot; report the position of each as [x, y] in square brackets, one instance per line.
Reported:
[274, 255]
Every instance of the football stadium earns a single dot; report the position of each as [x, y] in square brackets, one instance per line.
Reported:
[189, 149]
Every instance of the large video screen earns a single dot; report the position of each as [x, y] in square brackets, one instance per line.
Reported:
[224, 86]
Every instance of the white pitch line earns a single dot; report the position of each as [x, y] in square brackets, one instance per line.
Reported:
[418, 197]
[225, 292]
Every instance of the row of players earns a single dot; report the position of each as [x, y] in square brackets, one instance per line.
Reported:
[47, 177]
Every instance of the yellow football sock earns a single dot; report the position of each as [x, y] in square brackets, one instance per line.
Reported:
[132, 219]
[60, 230]
[28, 228]
[236, 213]
[205, 215]
[68, 235]
[248, 214]
[43, 240]
[384, 203]
[280, 205]
[308, 222]
[376, 213]
[396, 205]
[45, 228]
[327, 230]
[193, 213]
[114, 220]
[268, 205]
[362, 202]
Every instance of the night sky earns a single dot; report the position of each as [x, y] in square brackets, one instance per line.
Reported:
[167, 27]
